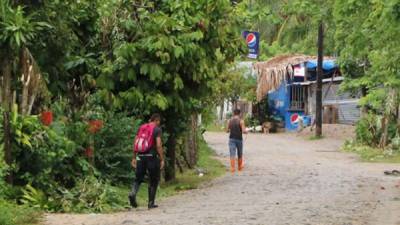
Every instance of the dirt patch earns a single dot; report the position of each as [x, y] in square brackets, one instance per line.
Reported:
[334, 131]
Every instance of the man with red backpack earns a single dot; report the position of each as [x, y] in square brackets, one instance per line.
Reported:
[147, 157]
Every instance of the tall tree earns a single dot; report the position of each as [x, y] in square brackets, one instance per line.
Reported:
[18, 32]
[289, 26]
[166, 56]
[369, 55]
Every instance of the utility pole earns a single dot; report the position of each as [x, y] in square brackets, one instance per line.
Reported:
[318, 108]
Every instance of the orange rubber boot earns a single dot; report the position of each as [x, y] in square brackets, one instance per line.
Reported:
[233, 165]
[240, 164]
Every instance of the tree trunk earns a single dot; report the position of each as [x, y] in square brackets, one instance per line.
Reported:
[280, 30]
[7, 100]
[221, 112]
[398, 119]
[180, 167]
[7, 144]
[191, 136]
[385, 128]
[27, 69]
[364, 109]
[170, 158]
[318, 108]
[31, 102]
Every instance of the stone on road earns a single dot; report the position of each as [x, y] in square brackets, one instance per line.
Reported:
[287, 180]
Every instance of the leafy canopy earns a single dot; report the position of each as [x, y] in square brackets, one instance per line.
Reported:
[167, 55]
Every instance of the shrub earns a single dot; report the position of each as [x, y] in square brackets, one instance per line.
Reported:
[368, 130]
[91, 195]
[54, 155]
[61, 177]
[114, 146]
[395, 145]
[2, 174]
[12, 214]
[251, 121]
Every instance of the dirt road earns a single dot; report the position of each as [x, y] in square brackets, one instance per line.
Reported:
[287, 180]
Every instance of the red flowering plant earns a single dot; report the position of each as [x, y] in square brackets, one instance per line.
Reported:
[46, 117]
[95, 123]
[95, 126]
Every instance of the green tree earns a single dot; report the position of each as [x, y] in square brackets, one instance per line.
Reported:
[166, 56]
[234, 83]
[289, 26]
[369, 56]
[18, 31]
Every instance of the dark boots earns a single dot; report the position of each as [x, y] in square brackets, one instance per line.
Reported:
[152, 196]
[132, 195]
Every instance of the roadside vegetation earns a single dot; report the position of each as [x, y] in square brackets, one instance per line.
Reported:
[13, 214]
[371, 154]
[77, 79]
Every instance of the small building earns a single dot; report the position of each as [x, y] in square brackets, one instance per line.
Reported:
[288, 83]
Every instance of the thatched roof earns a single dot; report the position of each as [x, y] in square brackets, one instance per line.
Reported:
[271, 73]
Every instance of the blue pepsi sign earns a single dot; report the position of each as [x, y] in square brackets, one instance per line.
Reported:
[252, 41]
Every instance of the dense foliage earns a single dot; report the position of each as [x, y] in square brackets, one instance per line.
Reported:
[165, 56]
[114, 62]
[12, 214]
[86, 74]
[113, 148]
[369, 56]
[290, 26]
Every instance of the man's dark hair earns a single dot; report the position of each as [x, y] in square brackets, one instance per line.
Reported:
[155, 117]
[236, 112]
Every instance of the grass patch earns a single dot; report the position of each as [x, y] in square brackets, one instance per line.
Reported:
[13, 214]
[370, 154]
[315, 138]
[215, 127]
[184, 181]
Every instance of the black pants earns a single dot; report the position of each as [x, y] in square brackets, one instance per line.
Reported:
[151, 166]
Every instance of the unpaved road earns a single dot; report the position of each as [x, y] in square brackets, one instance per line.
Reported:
[287, 180]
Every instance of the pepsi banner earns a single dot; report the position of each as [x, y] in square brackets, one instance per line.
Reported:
[252, 41]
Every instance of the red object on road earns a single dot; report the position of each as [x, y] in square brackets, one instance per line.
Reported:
[47, 118]
[95, 126]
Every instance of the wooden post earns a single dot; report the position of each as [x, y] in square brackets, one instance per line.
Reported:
[318, 107]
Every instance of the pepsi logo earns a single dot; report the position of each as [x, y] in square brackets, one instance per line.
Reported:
[251, 40]
[294, 118]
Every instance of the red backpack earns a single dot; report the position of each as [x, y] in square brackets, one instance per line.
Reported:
[144, 140]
